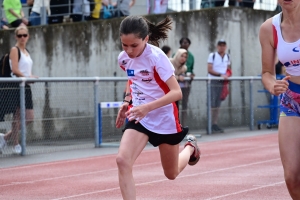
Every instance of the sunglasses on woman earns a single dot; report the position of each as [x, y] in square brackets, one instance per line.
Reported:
[22, 35]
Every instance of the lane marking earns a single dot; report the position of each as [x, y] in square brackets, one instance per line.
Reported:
[115, 169]
[93, 158]
[162, 180]
[244, 191]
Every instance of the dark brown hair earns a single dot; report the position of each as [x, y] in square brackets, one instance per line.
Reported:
[141, 27]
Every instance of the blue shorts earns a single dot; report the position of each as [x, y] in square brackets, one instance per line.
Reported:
[290, 101]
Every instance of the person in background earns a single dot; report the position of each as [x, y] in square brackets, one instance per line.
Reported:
[4, 24]
[167, 50]
[185, 44]
[81, 10]
[217, 65]
[14, 13]
[21, 66]
[122, 9]
[35, 14]
[178, 62]
[97, 5]
[157, 6]
[247, 3]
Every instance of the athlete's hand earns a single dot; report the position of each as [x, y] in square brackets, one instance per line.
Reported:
[137, 113]
[281, 86]
[121, 115]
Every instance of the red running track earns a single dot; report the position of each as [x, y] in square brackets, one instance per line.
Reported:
[246, 168]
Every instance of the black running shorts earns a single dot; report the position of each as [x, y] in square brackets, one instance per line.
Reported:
[156, 139]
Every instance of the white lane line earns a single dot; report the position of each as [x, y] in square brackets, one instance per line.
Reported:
[114, 155]
[112, 169]
[69, 176]
[244, 191]
[162, 180]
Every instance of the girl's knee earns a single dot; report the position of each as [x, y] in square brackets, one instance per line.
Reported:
[292, 180]
[123, 163]
[171, 175]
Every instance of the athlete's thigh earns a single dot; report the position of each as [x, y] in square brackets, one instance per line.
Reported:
[132, 144]
[169, 155]
[289, 143]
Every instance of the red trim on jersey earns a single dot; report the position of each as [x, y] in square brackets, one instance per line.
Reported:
[122, 67]
[166, 89]
[130, 82]
[275, 38]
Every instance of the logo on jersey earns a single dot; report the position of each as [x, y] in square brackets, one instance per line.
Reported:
[293, 63]
[138, 93]
[144, 72]
[296, 49]
[124, 62]
[134, 86]
[147, 80]
[130, 72]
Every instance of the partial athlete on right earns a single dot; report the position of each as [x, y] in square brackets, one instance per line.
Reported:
[281, 35]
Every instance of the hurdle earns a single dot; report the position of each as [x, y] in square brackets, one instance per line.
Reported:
[102, 105]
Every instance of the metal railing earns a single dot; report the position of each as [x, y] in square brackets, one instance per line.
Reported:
[172, 6]
[66, 110]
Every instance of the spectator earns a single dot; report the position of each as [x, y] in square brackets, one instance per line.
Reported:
[247, 3]
[81, 10]
[232, 3]
[3, 24]
[21, 65]
[157, 6]
[59, 9]
[185, 44]
[14, 13]
[167, 50]
[35, 14]
[96, 9]
[218, 63]
[108, 10]
[178, 62]
[123, 7]
[219, 3]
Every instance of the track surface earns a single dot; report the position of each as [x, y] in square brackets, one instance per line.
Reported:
[245, 168]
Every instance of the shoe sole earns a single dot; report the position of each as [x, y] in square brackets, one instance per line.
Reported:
[194, 162]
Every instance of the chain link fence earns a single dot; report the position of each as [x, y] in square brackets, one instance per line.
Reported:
[66, 110]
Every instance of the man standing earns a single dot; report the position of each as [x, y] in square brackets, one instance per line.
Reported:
[217, 65]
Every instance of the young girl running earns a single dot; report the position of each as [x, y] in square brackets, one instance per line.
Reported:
[281, 34]
[152, 90]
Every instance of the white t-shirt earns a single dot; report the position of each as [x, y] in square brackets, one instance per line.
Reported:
[147, 75]
[25, 65]
[40, 3]
[219, 64]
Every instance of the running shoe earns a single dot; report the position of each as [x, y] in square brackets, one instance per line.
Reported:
[195, 157]
[17, 149]
[216, 128]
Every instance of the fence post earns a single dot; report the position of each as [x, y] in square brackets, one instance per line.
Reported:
[22, 117]
[43, 15]
[251, 105]
[208, 106]
[96, 102]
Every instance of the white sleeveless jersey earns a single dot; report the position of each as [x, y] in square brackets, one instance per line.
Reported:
[288, 53]
[147, 75]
